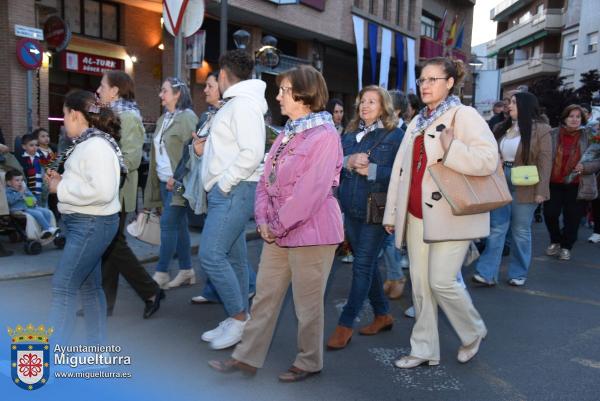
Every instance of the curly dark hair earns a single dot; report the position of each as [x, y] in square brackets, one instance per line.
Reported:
[238, 64]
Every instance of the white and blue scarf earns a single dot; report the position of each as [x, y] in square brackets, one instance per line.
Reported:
[364, 129]
[424, 121]
[121, 105]
[312, 120]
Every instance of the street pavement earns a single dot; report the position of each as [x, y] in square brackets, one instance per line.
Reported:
[543, 341]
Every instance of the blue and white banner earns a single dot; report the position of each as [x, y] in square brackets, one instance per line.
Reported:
[411, 85]
[399, 41]
[386, 55]
[373, 30]
[359, 38]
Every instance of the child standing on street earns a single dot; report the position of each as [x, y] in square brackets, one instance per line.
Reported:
[20, 199]
[32, 167]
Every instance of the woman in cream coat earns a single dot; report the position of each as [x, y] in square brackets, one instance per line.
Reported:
[416, 210]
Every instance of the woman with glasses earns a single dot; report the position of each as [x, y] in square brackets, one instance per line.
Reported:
[445, 132]
[173, 129]
[301, 224]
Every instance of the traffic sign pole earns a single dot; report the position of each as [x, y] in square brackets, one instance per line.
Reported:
[29, 90]
[178, 42]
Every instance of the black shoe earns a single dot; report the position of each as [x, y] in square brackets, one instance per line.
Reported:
[152, 306]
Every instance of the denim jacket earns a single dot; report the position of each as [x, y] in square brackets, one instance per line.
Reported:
[16, 199]
[355, 188]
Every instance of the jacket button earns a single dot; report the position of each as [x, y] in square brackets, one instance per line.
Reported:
[436, 196]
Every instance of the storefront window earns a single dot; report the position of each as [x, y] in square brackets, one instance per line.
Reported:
[96, 18]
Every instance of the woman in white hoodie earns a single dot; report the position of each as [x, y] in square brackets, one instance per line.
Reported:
[87, 184]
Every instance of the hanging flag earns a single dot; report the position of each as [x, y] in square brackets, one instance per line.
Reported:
[411, 84]
[459, 38]
[373, 28]
[386, 55]
[452, 33]
[399, 61]
[359, 38]
[440, 33]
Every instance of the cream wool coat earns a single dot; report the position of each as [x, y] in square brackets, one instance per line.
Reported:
[473, 151]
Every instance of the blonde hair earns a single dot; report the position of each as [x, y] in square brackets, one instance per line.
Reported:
[388, 117]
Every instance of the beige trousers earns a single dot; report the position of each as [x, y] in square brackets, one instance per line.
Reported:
[433, 270]
[308, 269]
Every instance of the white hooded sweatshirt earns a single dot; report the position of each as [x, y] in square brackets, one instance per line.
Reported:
[236, 145]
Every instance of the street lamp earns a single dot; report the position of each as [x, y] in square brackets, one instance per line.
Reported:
[268, 54]
[241, 38]
[475, 64]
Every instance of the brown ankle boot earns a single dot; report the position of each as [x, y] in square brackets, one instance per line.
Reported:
[386, 286]
[381, 323]
[340, 338]
[396, 288]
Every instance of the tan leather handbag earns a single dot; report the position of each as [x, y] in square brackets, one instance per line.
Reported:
[468, 194]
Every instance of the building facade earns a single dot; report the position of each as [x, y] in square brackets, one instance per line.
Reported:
[129, 35]
[528, 41]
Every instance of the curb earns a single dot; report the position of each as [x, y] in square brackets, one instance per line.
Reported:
[251, 235]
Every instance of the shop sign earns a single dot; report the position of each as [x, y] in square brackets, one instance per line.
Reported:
[92, 64]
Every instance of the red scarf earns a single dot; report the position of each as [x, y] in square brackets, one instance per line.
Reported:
[568, 155]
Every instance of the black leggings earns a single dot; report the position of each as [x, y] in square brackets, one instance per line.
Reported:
[563, 200]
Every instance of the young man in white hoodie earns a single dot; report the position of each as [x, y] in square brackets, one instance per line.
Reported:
[232, 157]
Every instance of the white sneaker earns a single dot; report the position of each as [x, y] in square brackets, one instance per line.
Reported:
[348, 258]
[162, 279]
[231, 334]
[517, 282]
[184, 277]
[210, 335]
[564, 254]
[553, 250]
[404, 263]
[594, 238]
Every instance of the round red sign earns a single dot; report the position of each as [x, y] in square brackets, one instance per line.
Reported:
[56, 33]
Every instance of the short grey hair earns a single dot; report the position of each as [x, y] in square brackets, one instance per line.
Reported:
[179, 86]
[399, 100]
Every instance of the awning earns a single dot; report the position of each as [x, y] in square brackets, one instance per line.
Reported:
[520, 43]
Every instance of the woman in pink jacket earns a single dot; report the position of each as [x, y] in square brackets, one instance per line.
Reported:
[301, 223]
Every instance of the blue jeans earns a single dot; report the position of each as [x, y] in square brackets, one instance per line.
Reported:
[519, 217]
[392, 257]
[42, 215]
[209, 292]
[366, 241]
[223, 253]
[174, 234]
[79, 271]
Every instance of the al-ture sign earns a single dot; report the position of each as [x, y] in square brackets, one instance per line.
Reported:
[92, 64]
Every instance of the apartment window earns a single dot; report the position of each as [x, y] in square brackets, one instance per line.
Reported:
[592, 42]
[386, 9]
[525, 17]
[372, 7]
[572, 48]
[96, 18]
[540, 9]
[428, 26]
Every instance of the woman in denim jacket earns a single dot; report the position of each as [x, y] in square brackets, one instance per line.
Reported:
[370, 147]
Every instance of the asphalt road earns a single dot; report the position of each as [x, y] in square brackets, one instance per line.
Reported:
[543, 344]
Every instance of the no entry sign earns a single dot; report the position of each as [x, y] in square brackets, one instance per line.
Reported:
[29, 53]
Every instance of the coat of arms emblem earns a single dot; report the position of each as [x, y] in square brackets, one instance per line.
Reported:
[30, 356]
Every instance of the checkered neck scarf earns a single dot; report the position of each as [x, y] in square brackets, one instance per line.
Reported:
[424, 121]
[92, 133]
[364, 129]
[312, 120]
[121, 105]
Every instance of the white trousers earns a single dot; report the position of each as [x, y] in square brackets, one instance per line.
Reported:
[433, 271]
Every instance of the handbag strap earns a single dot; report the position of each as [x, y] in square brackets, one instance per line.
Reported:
[368, 152]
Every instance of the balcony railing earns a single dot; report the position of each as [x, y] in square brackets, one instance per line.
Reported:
[430, 48]
[548, 21]
[546, 64]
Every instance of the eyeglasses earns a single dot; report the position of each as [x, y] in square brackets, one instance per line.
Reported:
[428, 81]
[283, 89]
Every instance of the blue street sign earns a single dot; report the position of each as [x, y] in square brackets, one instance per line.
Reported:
[29, 53]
